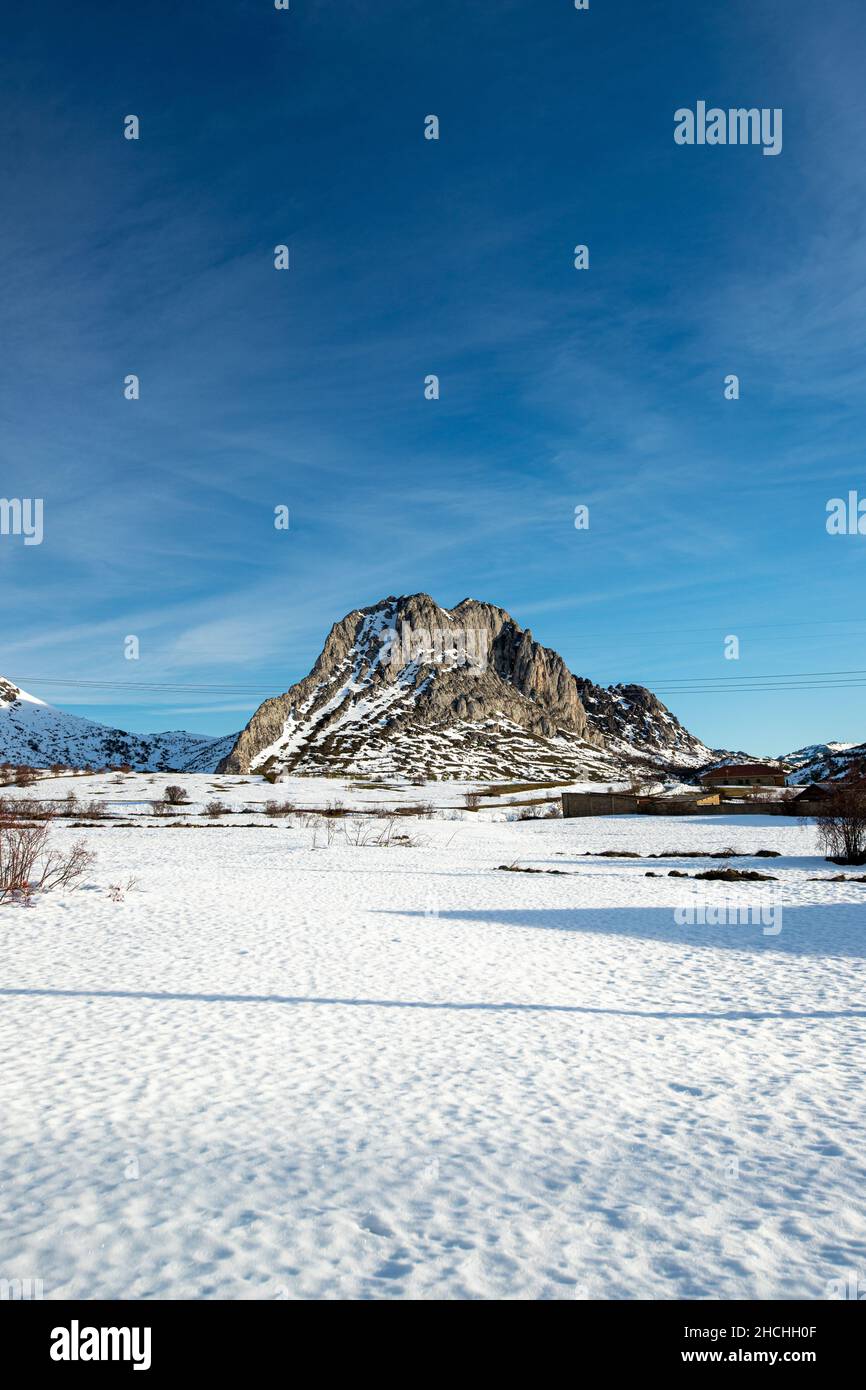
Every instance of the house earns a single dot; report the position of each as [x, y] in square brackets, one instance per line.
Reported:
[814, 791]
[743, 779]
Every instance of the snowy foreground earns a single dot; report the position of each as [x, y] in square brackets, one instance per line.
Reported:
[274, 1070]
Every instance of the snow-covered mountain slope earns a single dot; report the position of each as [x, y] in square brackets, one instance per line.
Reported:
[634, 723]
[820, 761]
[39, 735]
[406, 687]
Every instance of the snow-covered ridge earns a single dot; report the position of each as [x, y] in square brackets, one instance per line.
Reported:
[826, 761]
[36, 734]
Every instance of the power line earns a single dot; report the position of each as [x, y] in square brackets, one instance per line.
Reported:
[781, 676]
[756, 689]
[221, 687]
[137, 685]
[674, 685]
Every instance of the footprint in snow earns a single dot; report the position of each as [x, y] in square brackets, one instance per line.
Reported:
[376, 1227]
[392, 1269]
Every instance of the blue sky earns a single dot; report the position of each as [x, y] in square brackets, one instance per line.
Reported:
[410, 257]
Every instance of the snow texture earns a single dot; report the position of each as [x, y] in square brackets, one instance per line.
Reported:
[282, 1069]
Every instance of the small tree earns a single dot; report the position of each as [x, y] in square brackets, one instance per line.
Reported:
[842, 827]
[175, 796]
[29, 865]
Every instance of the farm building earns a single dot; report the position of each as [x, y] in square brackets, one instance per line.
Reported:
[740, 779]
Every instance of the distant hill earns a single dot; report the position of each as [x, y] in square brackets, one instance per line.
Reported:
[39, 735]
[825, 761]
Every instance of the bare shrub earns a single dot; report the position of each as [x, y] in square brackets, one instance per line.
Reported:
[215, 808]
[29, 865]
[117, 891]
[160, 808]
[278, 808]
[842, 827]
[367, 831]
[24, 776]
[359, 830]
[175, 796]
[472, 800]
[18, 808]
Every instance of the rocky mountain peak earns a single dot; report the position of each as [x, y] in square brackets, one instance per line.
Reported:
[407, 686]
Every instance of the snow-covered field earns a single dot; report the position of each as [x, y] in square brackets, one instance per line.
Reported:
[286, 1068]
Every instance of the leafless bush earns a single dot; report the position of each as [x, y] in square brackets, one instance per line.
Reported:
[160, 808]
[118, 891]
[472, 800]
[29, 865]
[278, 808]
[18, 808]
[24, 776]
[368, 831]
[842, 827]
[215, 808]
[360, 830]
[175, 796]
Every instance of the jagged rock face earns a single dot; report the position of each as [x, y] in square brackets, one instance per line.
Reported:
[407, 687]
[9, 693]
[631, 716]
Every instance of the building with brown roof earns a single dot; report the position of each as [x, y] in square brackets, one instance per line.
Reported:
[739, 779]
